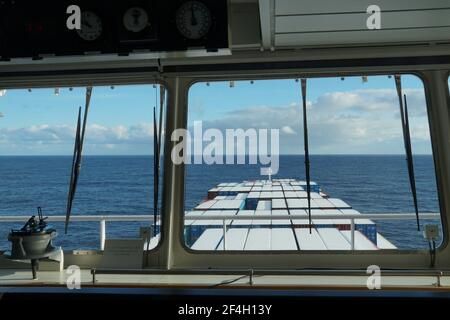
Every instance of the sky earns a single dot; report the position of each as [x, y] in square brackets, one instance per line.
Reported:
[345, 117]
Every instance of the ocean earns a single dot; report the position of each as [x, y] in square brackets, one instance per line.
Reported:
[124, 185]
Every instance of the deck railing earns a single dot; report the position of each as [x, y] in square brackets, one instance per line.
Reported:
[102, 219]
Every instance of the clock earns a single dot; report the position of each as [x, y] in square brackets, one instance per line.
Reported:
[193, 20]
[136, 19]
[91, 26]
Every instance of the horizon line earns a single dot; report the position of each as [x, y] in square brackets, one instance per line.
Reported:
[247, 155]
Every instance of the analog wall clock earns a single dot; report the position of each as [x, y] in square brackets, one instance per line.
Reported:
[194, 20]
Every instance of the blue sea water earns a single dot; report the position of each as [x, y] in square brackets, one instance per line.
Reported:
[124, 185]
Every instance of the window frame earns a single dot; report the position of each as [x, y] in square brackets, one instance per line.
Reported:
[67, 81]
[289, 76]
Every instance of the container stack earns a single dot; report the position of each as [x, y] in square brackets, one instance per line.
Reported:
[274, 198]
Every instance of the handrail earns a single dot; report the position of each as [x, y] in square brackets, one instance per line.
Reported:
[146, 218]
[224, 218]
[84, 218]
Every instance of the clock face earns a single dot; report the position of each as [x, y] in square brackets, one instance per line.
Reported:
[91, 26]
[193, 20]
[135, 19]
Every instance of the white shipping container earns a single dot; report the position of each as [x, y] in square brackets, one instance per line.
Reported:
[241, 196]
[249, 213]
[278, 204]
[280, 222]
[301, 194]
[278, 194]
[301, 217]
[258, 239]
[208, 240]
[206, 205]
[323, 204]
[319, 212]
[235, 239]
[264, 205]
[282, 239]
[253, 195]
[297, 203]
[339, 203]
[228, 204]
[309, 241]
[361, 242]
[338, 221]
[213, 213]
[191, 213]
[266, 195]
[383, 243]
[333, 239]
[355, 212]
[262, 222]
[290, 194]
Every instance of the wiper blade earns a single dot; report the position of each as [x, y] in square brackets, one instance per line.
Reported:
[155, 171]
[76, 159]
[157, 142]
[307, 163]
[407, 142]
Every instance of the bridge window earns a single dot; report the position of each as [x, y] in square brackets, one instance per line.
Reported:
[116, 180]
[246, 183]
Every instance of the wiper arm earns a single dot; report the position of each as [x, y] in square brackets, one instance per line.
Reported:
[76, 159]
[407, 142]
[157, 136]
[307, 163]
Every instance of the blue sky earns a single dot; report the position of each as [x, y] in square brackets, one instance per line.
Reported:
[345, 116]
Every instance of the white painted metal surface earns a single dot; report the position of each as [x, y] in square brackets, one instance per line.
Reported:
[258, 239]
[246, 213]
[333, 239]
[279, 222]
[301, 217]
[317, 213]
[205, 205]
[228, 205]
[355, 212]
[324, 23]
[278, 204]
[208, 240]
[383, 243]
[236, 238]
[361, 242]
[282, 239]
[264, 205]
[265, 221]
[340, 204]
[309, 241]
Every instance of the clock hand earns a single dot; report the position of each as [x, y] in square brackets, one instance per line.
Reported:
[87, 24]
[136, 15]
[193, 18]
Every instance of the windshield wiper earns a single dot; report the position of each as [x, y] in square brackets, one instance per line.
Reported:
[157, 136]
[407, 142]
[307, 164]
[76, 159]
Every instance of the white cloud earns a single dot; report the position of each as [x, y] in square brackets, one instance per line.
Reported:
[359, 121]
[59, 139]
[288, 130]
